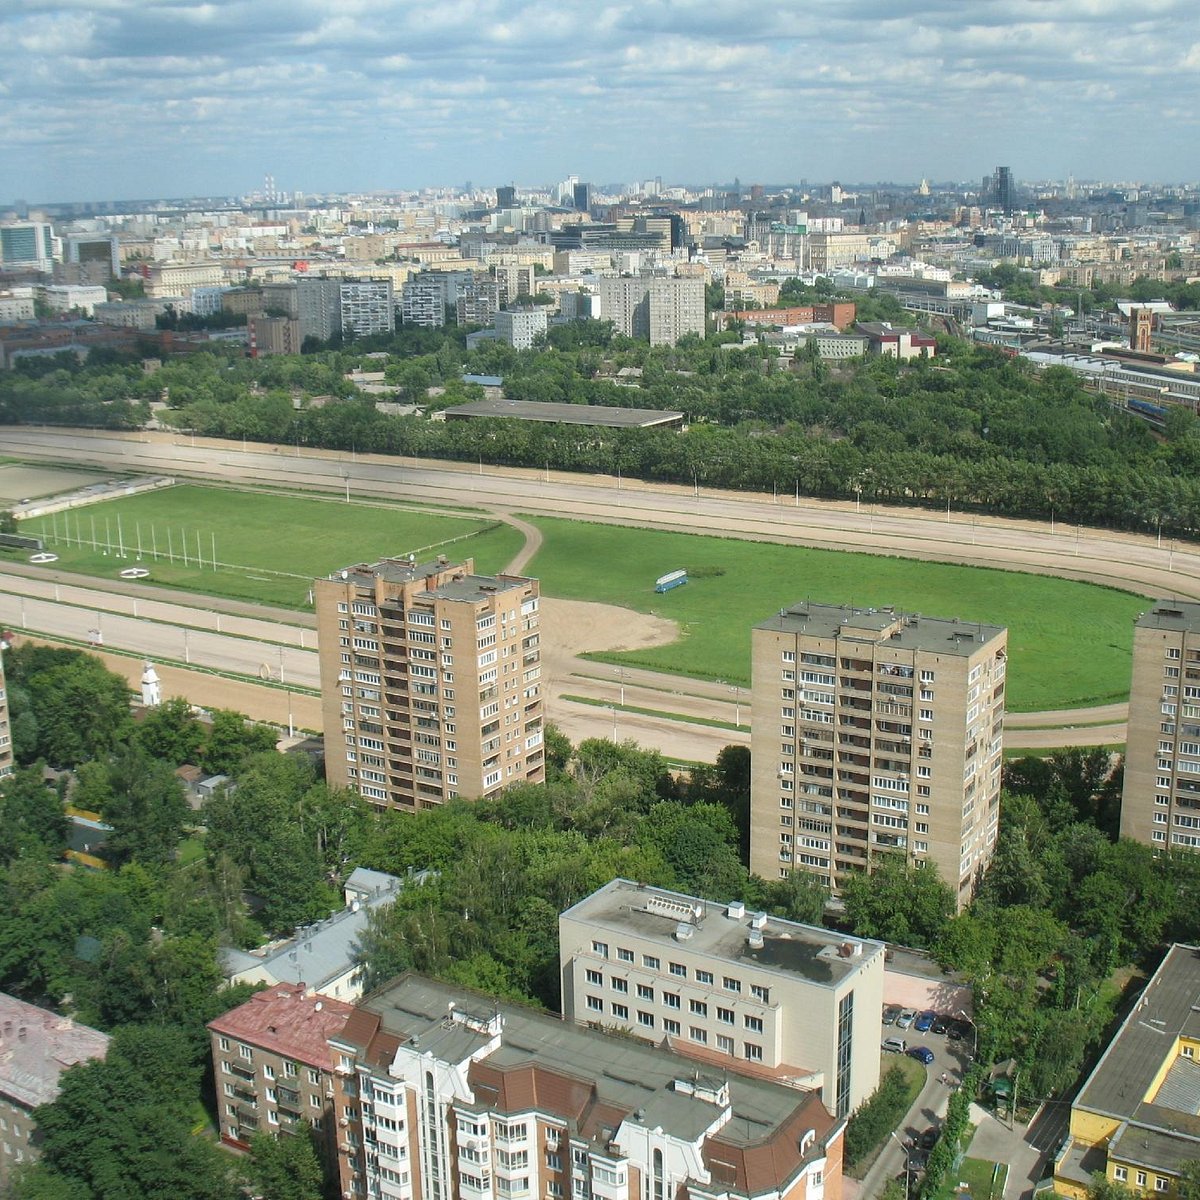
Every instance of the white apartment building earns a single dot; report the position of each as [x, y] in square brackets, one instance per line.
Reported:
[736, 990]
[658, 309]
[521, 327]
[443, 1094]
[366, 306]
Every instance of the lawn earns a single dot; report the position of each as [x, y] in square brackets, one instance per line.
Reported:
[984, 1180]
[268, 547]
[1069, 643]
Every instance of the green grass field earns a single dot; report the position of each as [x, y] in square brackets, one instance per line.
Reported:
[735, 584]
[268, 547]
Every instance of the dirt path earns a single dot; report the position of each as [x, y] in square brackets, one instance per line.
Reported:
[533, 542]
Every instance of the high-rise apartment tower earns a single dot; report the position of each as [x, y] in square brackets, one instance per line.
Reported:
[875, 733]
[1160, 803]
[430, 681]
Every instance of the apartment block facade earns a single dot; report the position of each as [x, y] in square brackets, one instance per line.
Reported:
[875, 733]
[6, 750]
[736, 990]
[36, 1046]
[366, 307]
[658, 309]
[430, 681]
[520, 328]
[272, 1065]
[1160, 801]
[447, 1095]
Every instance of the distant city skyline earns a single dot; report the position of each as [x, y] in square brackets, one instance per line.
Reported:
[121, 99]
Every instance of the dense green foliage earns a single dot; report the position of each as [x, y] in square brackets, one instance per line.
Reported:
[945, 1154]
[877, 1116]
[975, 428]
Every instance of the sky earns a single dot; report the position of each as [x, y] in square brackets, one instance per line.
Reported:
[123, 99]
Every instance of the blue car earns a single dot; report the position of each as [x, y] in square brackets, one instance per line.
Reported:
[924, 1021]
[921, 1054]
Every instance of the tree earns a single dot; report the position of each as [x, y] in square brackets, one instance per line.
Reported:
[32, 818]
[171, 733]
[120, 1128]
[231, 740]
[897, 903]
[142, 799]
[286, 1168]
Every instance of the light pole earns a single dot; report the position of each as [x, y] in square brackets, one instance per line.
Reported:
[346, 481]
[620, 672]
[907, 1164]
[974, 1033]
[737, 706]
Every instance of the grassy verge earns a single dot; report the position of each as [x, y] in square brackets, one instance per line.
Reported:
[655, 712]
[267, 547]
[914, 1075]
[735, 584]
[983, 1179]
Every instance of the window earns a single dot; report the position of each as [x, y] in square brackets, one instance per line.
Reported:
[600, 948]
[754, 1024]
[624, 955]
[670, 999]
[679, 969]
[731, 985]
[314, 1077]
[619, 985]
[1120, 1174]
[644, 992]
[650, 962]
[620, 1011]
[698, 1035]
[1141, 1179]
[594, 977]
[224, 1043]
[704, 976]
[752, 1052]
[724, 1044]
[760, 993]
[268, 1071]
[1161, 1184]
[670, 1026]
[554, 1162]
[698, 1008]
[246, 1052]
[595, 1004]
[725, 1016]
[645, 1018]
[1189, 1052]
[289, 1070]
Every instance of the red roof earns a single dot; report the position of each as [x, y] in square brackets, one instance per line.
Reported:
[289, 1020]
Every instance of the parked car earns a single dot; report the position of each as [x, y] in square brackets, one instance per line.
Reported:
[921, 1054]
[890, 1013]
[895, 1045]
[906, 1018]
[940, 1025]
[924, 1021]
[929, 1138]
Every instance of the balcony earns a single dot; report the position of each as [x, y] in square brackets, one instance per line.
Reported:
[893, 708]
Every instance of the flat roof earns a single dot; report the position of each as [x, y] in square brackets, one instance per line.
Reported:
[567, 414]
[789, 948]
[627, 1073]
[1180, 615]
[37, 1046]
[1119, 1086]
[905, 631]
[465, 584]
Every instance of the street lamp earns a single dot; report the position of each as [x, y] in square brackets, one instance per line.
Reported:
[974, 1033]
[907, 1164]
[620, 672]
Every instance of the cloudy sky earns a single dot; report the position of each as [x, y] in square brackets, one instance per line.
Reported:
[136, 98]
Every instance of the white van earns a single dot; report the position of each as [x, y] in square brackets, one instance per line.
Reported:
[895, 1045]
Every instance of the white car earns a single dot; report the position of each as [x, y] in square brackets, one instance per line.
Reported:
[906, 1018]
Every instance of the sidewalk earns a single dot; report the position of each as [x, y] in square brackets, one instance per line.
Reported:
[996, 1142]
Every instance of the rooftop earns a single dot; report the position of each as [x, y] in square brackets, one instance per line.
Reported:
[457, 580]
[567, 414]
[37, 1046]
[287, 1019]
[726, 932]
[1120, 1084]
[627, 1076]
[1179, 615]
[905, 631]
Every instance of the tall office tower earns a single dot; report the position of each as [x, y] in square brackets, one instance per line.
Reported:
[367, 306]
[506, 197]
[582, 196]
[875, 733]
[661, 310]
[27, 245]
[6, 750]
[1160, 802]
[1002, 189]
[430, 681]
[452, 1095]
[738, 990]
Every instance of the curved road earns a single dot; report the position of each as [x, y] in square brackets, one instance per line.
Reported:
[1137, 563]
